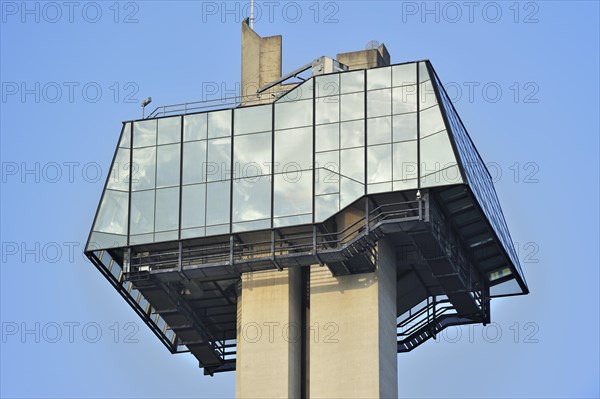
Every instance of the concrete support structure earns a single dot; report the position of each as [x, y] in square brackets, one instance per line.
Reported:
[365, 59]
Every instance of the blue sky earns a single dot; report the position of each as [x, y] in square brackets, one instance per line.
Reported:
[525, 80]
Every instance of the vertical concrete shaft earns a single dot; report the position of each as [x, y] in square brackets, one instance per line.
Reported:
[268, 335]
[353, 332]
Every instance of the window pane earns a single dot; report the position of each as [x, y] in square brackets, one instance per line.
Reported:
[379, 163]
[293, 114]
[125, 141]
[431, 121]
[350, 191]
[119, 174]
[427, 95]
[327, 173]
[217, 203]
[405, 99]
[194, 127]
[327, 109]
[303, 91]
[353, 106]
[219, 124]
[352, 164]
[169, 130]
[328, 137]
[167, 209]
[252, 119]
[405, 127]
[436, 153]
[379, 78]
[167, 167]
[193, 206]
[293, 193]
[218, 166]
[351, 82]
[328, 85]
[379, 187]
[251, 199]
[143, 169]
[194, 162]
[403, 75]
[352, 134]
[142, 212]
[144, 133]
[252, 155]
[112, 215]
[405, 160]
[423, 73]
[293, 149]
[379, 130]
[326, 206]
[379, 102]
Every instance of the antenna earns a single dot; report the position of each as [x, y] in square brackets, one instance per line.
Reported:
[252, 14]
[373, 44]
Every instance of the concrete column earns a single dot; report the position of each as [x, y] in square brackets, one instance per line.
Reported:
[268, 331]
[352, 343]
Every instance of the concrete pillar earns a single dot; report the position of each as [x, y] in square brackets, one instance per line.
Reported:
[352, 347]
[268, 331]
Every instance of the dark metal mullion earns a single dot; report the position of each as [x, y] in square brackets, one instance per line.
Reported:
[314, 147]
[365, 128]
[180, 179]
[418, 128]
[272, 162]
[130, 183]
[231, 176]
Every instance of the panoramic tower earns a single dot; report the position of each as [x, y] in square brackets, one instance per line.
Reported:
[305, 233]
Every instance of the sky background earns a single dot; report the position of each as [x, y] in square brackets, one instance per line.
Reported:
[523, 76]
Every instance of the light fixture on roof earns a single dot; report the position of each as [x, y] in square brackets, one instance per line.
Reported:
[144, 104]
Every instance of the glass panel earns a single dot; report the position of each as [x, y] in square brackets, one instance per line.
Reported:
[303, 91]
[379, 78]
[328, 137]
[126, 136]
[379, 102]
[405, 160]
[169, 130]
[167, 209]
[506, 288]
[405, 184]
[328, 160]
[379, 188]
[251, 199]
[194, 162]
[167, 165]
[427, 95]
[219, 124]
[119, 174]
[405, 99]
[292, 220]
[423, 73]
[293, 193]
[166, 236]
[405, 127]
[218, 229]
[436, 154]
[217, 203]
[104, 240]
[194, 127]
[352, 106]
[449, 175]
[352, 134]
[142, 212]
[218, 165]
[327, 109]
[252, 155]
[327, 180]
[112, 215]
[350, 191]
[326, 206]
[352, 82]
[293, 150]
[144, 133]
[431, 121]
[403, 75]
[253, 225]
[379, 130]
[379, 163]
[293, 114]
[328, 85]
[352, 164]
[193, 233]
[252, 119]
[141, 239]
[143, 169]
[193, 205]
